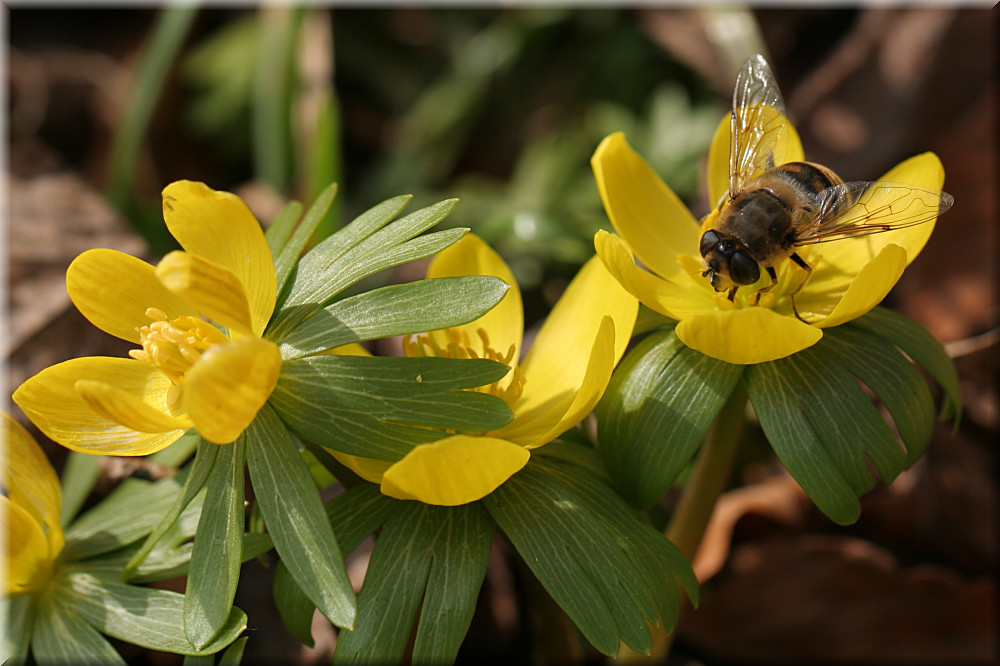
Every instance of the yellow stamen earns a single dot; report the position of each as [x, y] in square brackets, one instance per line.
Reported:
[459, 346]
[174, 346]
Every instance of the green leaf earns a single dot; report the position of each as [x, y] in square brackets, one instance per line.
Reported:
[194, 481]
[143, 616]
[892, 377]
[177, 453]
[127, 514]
[440, 550]
[659, 404]
[822, 427]
[296, 519]
[340, 261]
[609, 571]
[78, 479]
[661, 564]
[358, 404]
[284, 262]
[218, 548]
[460, 552]
[294, 607]
[279, 232]
[61, 635]
[357, 513]
[415, 307]
[234, 653]
[18, 615]
[922, 347]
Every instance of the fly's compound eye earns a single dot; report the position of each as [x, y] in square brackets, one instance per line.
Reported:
[708, 241]
[742, 269]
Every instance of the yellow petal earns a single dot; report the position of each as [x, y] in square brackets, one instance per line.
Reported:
[504, 324]
[52, 402]
[749, 335]
[350, 349]
[30, 481]
[788, 149]
[128, 409]
[27, 559]
[544, 421]
[212, 289]
[219, 227]
[368, 469]
[558, 361]
[677, 298]
[228, 385]
[871, 285]
[454, 471]
[642, 209]
[113, 290]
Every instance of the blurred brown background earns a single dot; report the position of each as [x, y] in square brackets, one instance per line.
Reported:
[503, 108]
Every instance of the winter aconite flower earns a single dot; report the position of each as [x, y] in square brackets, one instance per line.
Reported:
[196, 318]
[849, 276]
[31, 503]
[558, 383]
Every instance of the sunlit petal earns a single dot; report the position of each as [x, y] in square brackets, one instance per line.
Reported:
[52, 402]
[219, 227]
[559, 357]
[113, 291]
[128, 409]
[368, 469]
[749, 335]
[676, 298]
[504, 324]
[643, 210]
[30, 481]
[789, 149]
[228, 385]
[537, 423]
[454, 471]
[26, 558]
[872, 285]
[213, 289]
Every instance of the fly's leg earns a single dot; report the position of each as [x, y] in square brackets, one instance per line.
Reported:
[732, 293]
[808, 269]
[763, 290]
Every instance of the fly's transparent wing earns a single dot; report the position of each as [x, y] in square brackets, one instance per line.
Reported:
[757, 124]
[861, 208]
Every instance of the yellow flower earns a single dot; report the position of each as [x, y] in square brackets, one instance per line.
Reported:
[31, 503]
[554, 388]
[849, 276]
[188, 372]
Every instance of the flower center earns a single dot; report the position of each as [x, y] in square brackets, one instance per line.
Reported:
[459, 346]
[173, 346]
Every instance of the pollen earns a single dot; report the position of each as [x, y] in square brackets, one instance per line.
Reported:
[459, 345]
[173, 346]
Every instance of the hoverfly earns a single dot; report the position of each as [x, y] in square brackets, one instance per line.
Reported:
[771, 210]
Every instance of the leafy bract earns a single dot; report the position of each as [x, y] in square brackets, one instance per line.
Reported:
[611, 572]
[295, 518]
[424, 305]
[656, 411]
[824, 427]
[427, 558]
[143, 616]
[362, 248]
[362, 405]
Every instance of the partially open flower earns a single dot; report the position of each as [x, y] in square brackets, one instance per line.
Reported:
[198, 317]
[849, 276]
[31, 502]
[559, 382]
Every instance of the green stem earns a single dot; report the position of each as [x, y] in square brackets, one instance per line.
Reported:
[708, 479]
